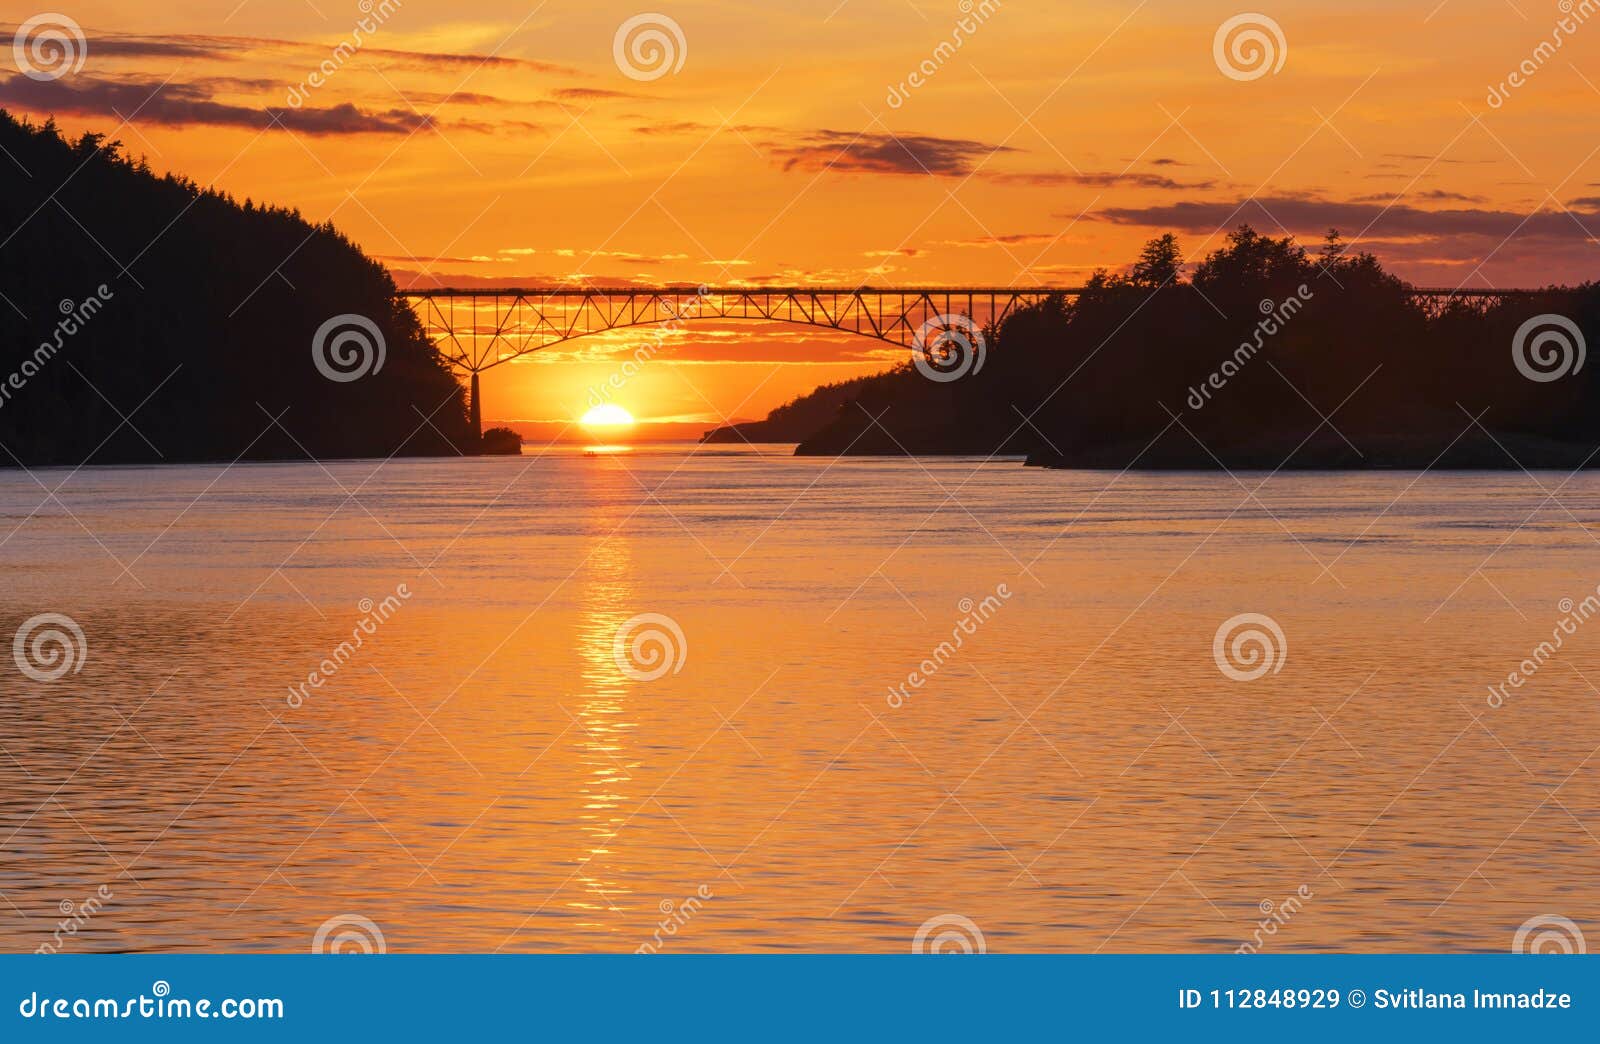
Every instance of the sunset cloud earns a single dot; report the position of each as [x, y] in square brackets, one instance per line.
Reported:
[193, 104]
[1006, 239]
[230, 48]
[871, 153]
[591, 94]
[1303, 214]
[1431, 195]
[669, 128]
[1095, 179]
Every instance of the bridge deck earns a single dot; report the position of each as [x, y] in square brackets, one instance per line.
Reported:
[669, 289]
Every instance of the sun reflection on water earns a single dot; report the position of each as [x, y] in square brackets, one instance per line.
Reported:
[602, 720]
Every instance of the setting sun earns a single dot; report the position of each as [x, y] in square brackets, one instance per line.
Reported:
[607, 415]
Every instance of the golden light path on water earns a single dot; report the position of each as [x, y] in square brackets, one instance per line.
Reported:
[487, 771]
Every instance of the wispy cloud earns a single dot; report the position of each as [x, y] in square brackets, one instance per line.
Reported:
[884, 153]
[228, 48]
[414, 259]
[1431, 195]
[1305, 213]
[1096, 179]
[591, 94]
[194, 104]
[1005, 239]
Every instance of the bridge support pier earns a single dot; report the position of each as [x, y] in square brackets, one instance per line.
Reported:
[475, 406]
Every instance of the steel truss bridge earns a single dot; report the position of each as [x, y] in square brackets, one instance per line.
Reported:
[479, 329]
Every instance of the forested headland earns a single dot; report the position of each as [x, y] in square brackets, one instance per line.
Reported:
[146, 318]
[1267, 355]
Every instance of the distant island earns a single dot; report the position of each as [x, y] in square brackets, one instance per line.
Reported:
[1268, 356]
[150, 319]
[803, 417]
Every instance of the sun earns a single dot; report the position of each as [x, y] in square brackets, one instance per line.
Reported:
[607, 415]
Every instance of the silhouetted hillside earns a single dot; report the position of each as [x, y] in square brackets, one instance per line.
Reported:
[1268, 357]
[128, 295]
[802, 417]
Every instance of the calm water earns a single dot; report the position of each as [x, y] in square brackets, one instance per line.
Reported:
[482, 773]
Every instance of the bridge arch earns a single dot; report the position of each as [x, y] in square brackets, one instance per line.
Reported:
[477, 330]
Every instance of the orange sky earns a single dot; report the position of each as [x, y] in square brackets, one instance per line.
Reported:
[485, 140]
